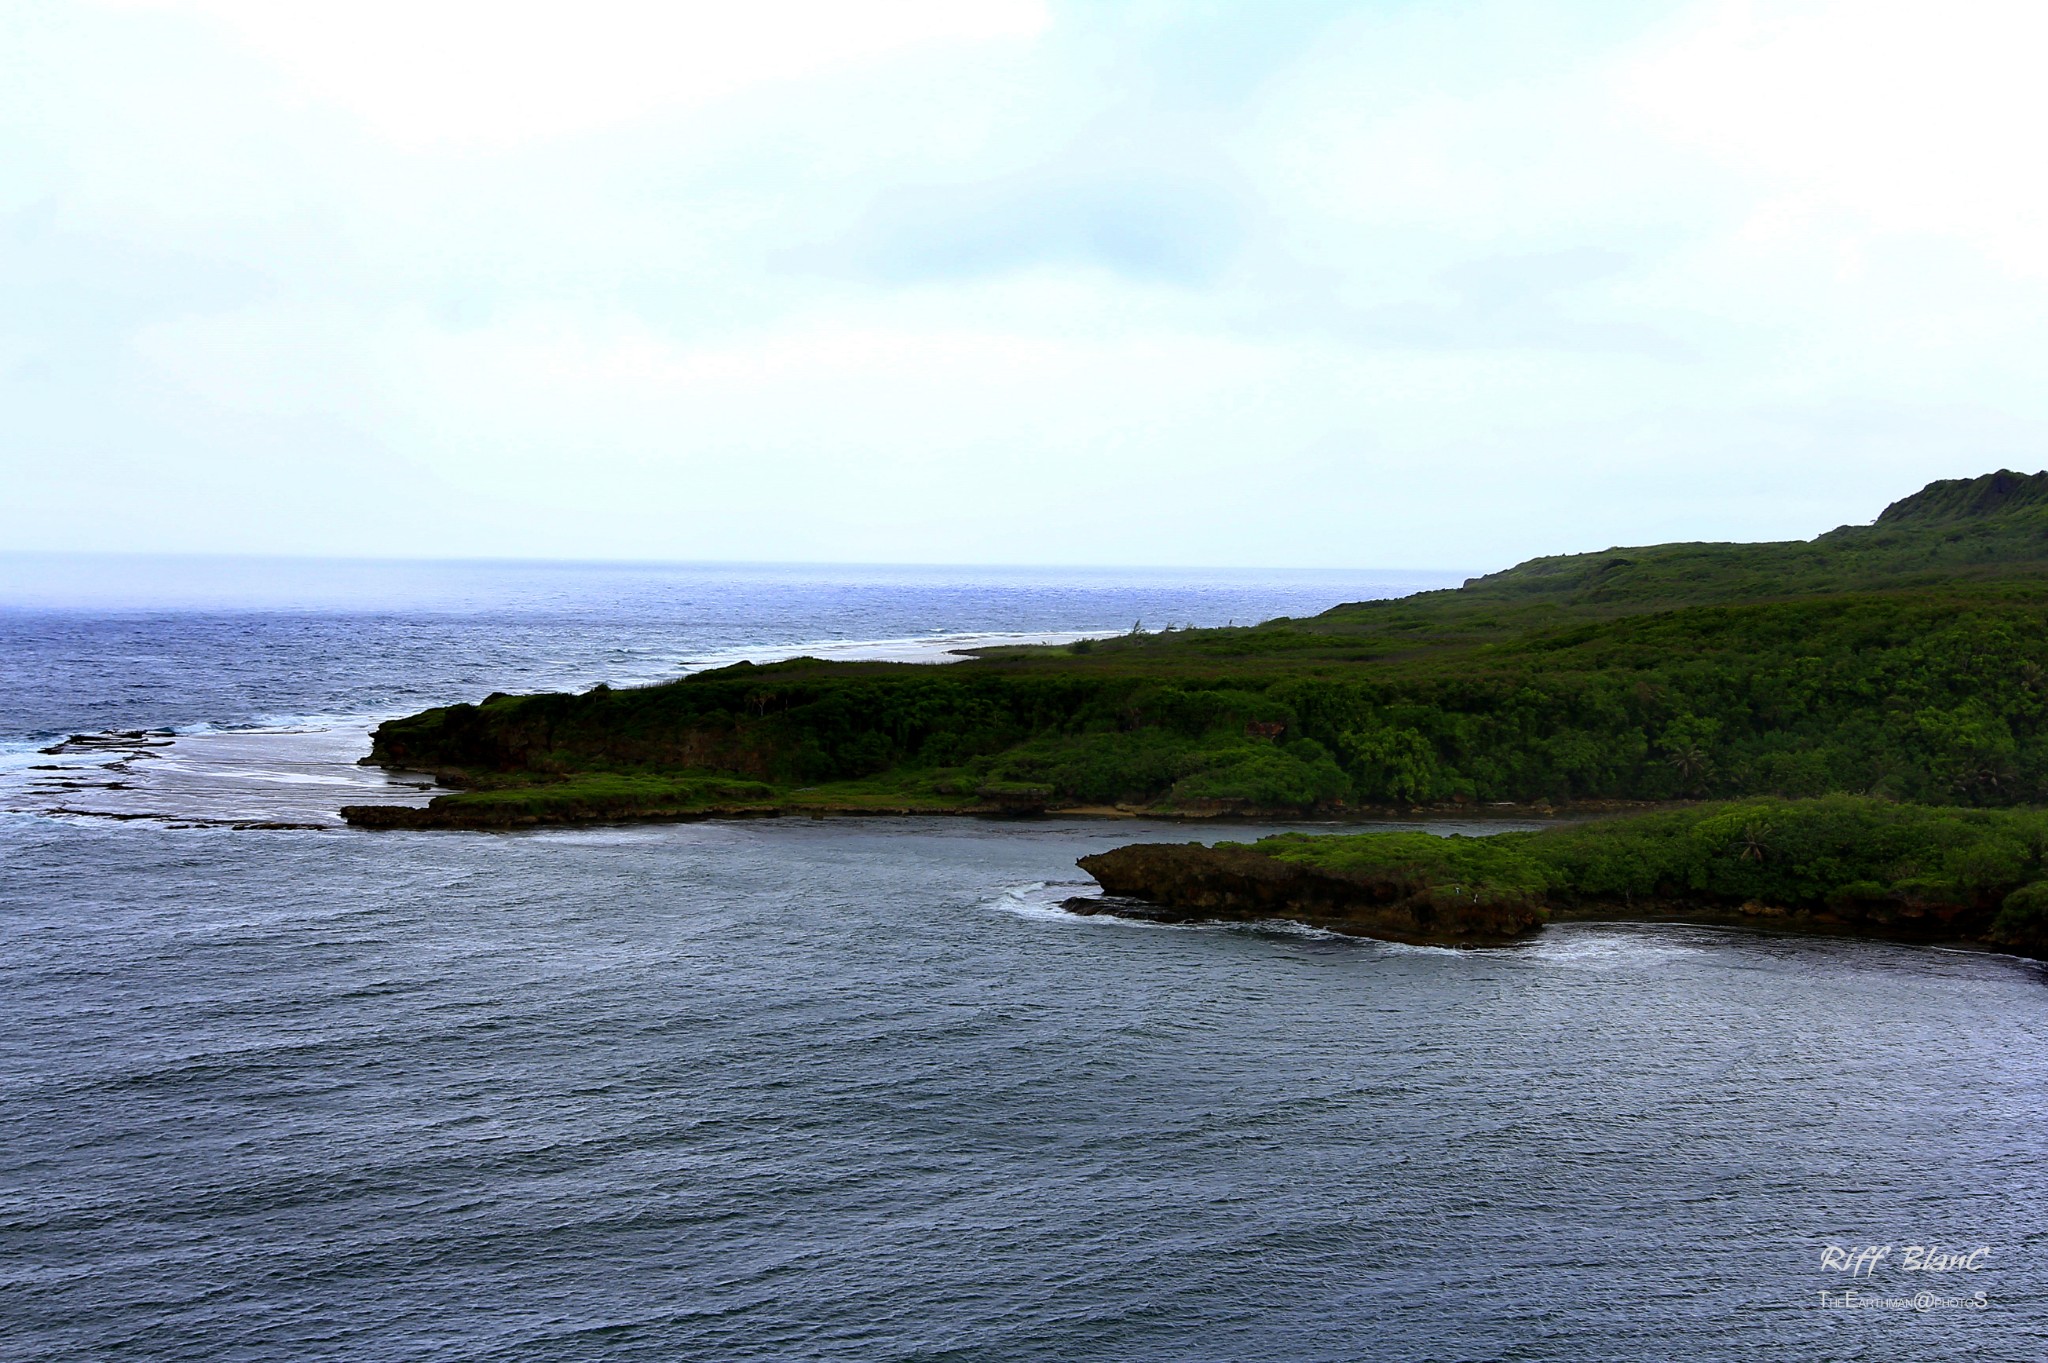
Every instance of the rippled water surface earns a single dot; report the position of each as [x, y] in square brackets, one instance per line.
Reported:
[860, 1090]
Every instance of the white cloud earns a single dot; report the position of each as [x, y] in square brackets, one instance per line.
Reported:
[1858, 115]
[1424, 285]
[497, 73]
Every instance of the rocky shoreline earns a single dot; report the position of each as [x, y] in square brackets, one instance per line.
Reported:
[451, 810]
[450, 814]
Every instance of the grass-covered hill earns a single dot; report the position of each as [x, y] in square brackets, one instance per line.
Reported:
[1907, 660]
[1948, 534]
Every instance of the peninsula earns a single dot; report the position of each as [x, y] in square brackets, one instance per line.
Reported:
[1906, 660]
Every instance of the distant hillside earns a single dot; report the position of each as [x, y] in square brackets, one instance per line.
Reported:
[1960, 529]
[1993, 496]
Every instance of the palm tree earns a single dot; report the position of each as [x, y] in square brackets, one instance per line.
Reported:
[1691, 762]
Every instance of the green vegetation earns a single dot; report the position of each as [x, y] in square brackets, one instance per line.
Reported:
[1831, 853]
[1841, 863]
[1906, 660]
[1500, 863]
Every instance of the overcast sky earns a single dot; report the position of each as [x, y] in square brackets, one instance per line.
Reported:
[1431, 284]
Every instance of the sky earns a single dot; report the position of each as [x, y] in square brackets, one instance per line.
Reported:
[1439, 284]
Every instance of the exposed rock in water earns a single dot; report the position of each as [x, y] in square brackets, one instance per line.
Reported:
[1188, 882]
[112, 740]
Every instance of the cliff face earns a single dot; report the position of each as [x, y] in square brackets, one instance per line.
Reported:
[1190, 882]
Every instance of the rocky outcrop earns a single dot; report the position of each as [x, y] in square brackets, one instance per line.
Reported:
[1188, 882]
[1180, 883]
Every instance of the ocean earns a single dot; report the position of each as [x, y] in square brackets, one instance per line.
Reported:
[271, 1088]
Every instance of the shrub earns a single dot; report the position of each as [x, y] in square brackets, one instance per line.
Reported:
[2022, 921]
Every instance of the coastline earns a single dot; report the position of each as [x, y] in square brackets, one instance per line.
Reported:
[449, 811]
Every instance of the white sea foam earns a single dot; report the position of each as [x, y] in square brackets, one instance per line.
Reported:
[1606, 948]
[937, 647]
[301, 775]
[1046, 900]
[1421, 949]
[1042, 899]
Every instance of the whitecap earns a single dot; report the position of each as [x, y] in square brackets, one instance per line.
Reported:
[1604, 948]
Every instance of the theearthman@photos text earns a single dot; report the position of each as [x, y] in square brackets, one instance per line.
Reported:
[1875, 1277]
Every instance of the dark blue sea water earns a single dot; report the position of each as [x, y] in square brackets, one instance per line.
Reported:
[134, 642]
[859, 1090]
